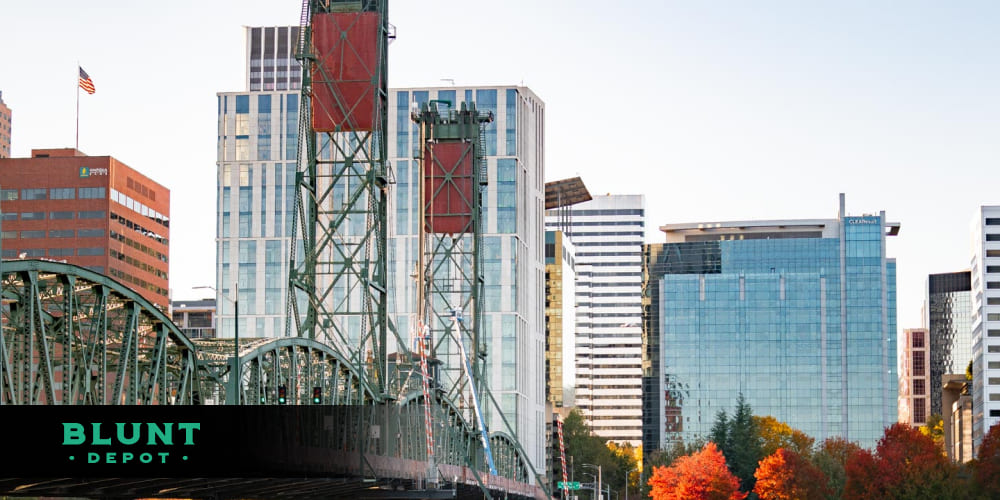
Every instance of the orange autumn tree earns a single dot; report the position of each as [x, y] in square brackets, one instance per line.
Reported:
[699, 476]
[987, 464]
[786, 475]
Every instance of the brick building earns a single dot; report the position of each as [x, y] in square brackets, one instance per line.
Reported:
[91, 211]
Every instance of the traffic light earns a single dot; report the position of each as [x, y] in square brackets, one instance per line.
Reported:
[281, 395]
[317, 395]
[263, 399]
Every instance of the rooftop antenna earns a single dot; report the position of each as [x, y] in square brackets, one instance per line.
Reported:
[452, 80]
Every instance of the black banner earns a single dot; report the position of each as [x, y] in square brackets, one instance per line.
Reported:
[186, 441]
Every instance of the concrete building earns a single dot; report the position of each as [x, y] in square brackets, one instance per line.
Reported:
[798, 315]
[270, 58]
[91, 211]
[914, 378]
[985, 321]
[958, 418]
[608, 232]
[5, 130]
[196, 318]
[513, 259]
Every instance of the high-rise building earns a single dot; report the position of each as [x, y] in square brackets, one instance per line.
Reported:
[798, 316]
[91, 211]
[914, 377]
[608, 232]
[948, 318]
[985, 322]
[270, 57]
[5, 123]
[256, 160]
[560, 320]
[513, 259]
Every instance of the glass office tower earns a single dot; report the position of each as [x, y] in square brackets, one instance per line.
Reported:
[513, 259]
[797, 315]
[948, 318]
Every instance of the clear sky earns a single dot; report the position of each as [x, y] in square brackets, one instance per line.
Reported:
[720, 110]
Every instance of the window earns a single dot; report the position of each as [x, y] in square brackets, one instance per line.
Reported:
[993, 237]
[993, 317]
[993, 333]
[88, 251]
[32, 215]
[60, 252]
[993, 365]
[919, 387]
[918, 339]
[60, 233]
[32, 234]
[34, 252]
[919, 365]
[919, 410]
[993, 285]
[91, 214]
[91, 233]
[992, 222]
[8, 194]
[60, 215]
[92, 193]
[8, 235]
[62, 193]
[33, 194]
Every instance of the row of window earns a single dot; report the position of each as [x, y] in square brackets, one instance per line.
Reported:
[137, 281]
[53, 233]
[62, 215]
[138, 246]
[137, 228]
[85, 193]
[135, 205]
[31, 253]
[137, 263]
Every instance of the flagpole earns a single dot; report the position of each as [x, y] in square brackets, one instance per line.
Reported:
[77, 106]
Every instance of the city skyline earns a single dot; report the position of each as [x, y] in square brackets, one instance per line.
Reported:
[890, 106]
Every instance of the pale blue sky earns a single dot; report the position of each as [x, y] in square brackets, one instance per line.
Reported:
[715, 110]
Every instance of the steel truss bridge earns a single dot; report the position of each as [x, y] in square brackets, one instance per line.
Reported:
[71, 336]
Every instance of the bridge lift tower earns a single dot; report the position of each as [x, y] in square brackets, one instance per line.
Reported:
[337, 279]
[449, 272]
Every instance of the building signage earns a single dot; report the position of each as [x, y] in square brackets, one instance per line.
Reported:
[88, 171]
[862, 221]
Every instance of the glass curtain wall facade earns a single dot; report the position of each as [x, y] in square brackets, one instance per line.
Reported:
[256, 159]
[258, 137]
[948, 318]
[798, 316]
[985, 322]
[560, 320]
[608, 232]
[513, 245]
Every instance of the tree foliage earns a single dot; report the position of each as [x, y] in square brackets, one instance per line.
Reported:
[787, 475]
[700, 476]
[934, 428]
[776, 434]
[906, 464]
[986, 468]
[740, 442]
[831, 458]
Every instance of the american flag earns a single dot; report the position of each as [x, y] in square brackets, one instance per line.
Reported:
[85, 82]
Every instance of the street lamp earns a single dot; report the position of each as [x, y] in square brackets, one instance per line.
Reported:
[597, 491]
[236, 338]
[626, 480]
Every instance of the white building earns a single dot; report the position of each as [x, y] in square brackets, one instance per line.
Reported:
[985, 322]
[608, 233]
[513, 258]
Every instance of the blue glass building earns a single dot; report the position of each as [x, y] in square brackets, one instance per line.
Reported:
[797, 315]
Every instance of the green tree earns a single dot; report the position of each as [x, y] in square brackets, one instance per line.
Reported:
[585, 447]
[831, 458]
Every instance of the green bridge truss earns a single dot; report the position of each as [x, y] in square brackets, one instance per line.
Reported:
[71, 336]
